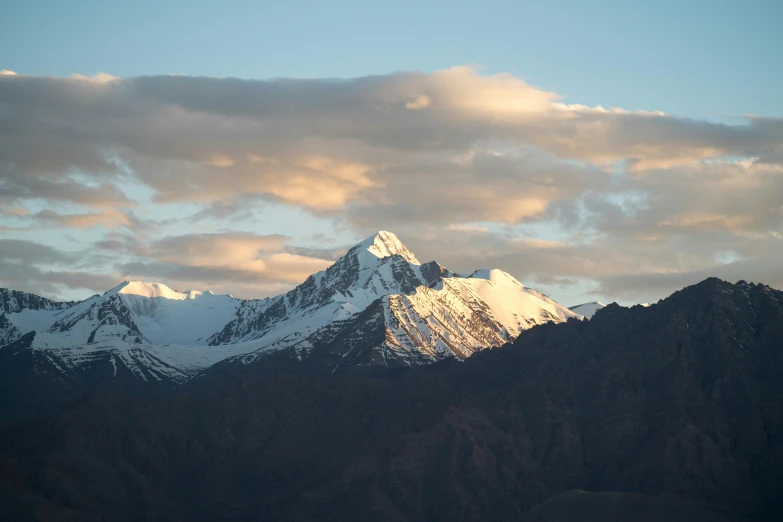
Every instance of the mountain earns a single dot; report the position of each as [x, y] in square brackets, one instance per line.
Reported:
[587, 310]
[169, 316]
[21, 312]
[377, 306]
[369, 311]
[53, 352]
[14, 301]
[381, 265]
[666, 412]
[423, 309]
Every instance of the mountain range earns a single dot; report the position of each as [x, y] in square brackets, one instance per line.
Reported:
[667, 412]
[383, 388]
[375, 307]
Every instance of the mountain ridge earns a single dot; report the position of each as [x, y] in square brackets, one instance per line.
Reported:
[377, 305]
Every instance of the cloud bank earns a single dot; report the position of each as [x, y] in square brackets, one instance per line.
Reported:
[628, 203]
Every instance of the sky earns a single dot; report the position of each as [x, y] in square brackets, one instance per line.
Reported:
[595, 150]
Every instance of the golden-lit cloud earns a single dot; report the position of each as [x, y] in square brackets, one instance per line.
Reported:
[447, 151]
[418, 102]
[232, 262]
[324, 145]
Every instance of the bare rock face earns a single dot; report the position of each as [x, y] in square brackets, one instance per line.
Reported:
[674, 410]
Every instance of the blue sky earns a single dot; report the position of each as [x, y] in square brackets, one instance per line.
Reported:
[701, 58]
[578, 201]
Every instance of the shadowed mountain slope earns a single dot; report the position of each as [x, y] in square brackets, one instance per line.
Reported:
[679, 402]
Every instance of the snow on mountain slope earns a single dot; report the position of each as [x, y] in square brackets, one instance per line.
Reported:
[94, 320]
[164, 315]
[35, 320]
[432, 315]
[177, 362]
[514, 305]
[21, 312]
[140, 312]
[130, 325]
[496, 276]
[152, 290]
[378, 266]
[459, 317]
[587, 310]
[385, 244]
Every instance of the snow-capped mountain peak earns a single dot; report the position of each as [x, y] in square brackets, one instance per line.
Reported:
[386, 244]
[376, 267]
[152, 290]
[587, 310]
[497, 276]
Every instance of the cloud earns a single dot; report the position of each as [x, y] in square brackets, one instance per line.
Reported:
[454, 156]
[482, 186]
[242, 263]
[327, 254]
[40, 269]
[22, 251]
[107, 219]
[100, 77]
[322, 144]
[418, 102]
[702, 200]
[609, 266]
[654, 285]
